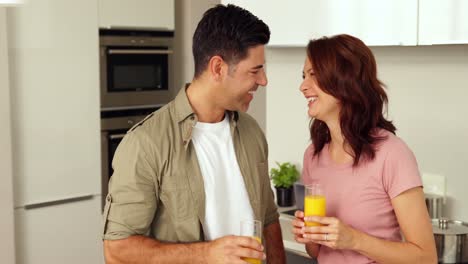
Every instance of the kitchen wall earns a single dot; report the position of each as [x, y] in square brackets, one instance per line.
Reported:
[7, 250]
[427, 88]
[187, 16]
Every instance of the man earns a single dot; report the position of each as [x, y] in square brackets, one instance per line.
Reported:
[187, 175]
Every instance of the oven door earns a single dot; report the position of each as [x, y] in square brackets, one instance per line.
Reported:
[135, 76]
[110, 140]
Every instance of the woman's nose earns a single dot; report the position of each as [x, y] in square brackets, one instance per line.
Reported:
[303, 87]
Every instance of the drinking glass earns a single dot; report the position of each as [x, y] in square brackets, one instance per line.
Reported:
[314, 202]
[252, 228]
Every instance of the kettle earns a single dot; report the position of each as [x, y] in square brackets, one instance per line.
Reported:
[451, 239]
[434, 204]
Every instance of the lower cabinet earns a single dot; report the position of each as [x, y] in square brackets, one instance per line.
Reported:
[292, 258]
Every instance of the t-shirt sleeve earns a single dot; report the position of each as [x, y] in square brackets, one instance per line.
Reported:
[400, 171]
[131, 202]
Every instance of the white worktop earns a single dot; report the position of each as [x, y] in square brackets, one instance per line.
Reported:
[286, 230]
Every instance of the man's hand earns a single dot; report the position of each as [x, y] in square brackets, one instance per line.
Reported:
[231, 249]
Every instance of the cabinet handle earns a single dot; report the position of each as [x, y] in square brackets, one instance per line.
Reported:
[116, 136]
[138, 51]
[58, 201]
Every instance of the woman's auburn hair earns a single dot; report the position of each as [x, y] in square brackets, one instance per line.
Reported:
[346, 69]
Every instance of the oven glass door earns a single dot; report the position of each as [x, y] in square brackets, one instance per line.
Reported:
[113, 141]
[137, 69]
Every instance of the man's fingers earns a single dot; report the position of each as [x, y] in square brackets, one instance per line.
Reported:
[249, 242]
[250, 253]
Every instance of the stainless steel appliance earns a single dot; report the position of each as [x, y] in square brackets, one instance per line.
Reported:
[451, 240]
[434, 204]
[114, 126]
[136, 68]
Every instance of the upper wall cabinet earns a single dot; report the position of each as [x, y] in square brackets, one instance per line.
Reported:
[443, 22]
[293, 23]
[141, 14]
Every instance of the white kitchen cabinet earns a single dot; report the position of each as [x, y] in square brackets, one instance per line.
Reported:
[443, 22]
[293, 23]
[66, 233]
[141, 14]
[54, 78]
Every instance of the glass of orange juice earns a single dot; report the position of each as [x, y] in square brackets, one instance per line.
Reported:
[314, 202]
[252, 228]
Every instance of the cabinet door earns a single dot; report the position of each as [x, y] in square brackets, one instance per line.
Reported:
[443, 22]
[67, 233]
[54, 73]
[385, 22]
[144, 14]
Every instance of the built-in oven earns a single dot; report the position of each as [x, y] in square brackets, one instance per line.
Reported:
[135, 68]
[114, 126]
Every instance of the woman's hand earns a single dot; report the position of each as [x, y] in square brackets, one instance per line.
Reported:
[332, 233]
[298, 225]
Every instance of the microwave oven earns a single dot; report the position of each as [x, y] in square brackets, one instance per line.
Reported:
[136, 68]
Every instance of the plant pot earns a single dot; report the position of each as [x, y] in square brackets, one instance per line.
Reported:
[284, 196]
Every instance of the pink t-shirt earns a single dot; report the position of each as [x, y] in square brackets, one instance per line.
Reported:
[361, 196]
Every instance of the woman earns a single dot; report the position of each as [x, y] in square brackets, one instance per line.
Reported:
[372, 185]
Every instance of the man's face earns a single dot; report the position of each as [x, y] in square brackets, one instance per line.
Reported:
[243, 79]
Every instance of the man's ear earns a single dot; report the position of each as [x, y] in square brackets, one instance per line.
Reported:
[217, 68]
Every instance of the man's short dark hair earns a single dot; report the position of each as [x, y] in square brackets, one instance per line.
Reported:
[227, 31]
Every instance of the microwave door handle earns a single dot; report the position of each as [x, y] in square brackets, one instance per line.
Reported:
[139, 51]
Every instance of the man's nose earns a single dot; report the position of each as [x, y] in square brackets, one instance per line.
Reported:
[263, 81]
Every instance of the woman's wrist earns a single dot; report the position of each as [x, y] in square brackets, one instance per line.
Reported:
[357, 239]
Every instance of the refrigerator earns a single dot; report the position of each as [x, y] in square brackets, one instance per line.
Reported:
[54, 81]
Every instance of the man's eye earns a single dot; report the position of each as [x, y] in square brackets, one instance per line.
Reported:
[254, 72]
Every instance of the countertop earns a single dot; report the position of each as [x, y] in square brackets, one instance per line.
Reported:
[286, 230]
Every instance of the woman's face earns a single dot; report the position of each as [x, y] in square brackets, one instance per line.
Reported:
[321, 105]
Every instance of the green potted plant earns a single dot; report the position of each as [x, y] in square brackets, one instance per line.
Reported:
[283, 179]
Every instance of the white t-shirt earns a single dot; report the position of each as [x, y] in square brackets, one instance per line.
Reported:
[226, 198]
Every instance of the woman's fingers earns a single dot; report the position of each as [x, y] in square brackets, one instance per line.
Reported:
[298, 223]
[299, 214]
[322, 220]
[320, 229]
[317, 237]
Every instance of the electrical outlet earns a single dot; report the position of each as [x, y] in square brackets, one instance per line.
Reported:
[434, 183]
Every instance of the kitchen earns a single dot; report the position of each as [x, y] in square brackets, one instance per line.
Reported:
[425, 86]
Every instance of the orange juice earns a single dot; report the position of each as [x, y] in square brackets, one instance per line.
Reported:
[252, 260]
[314, 205]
